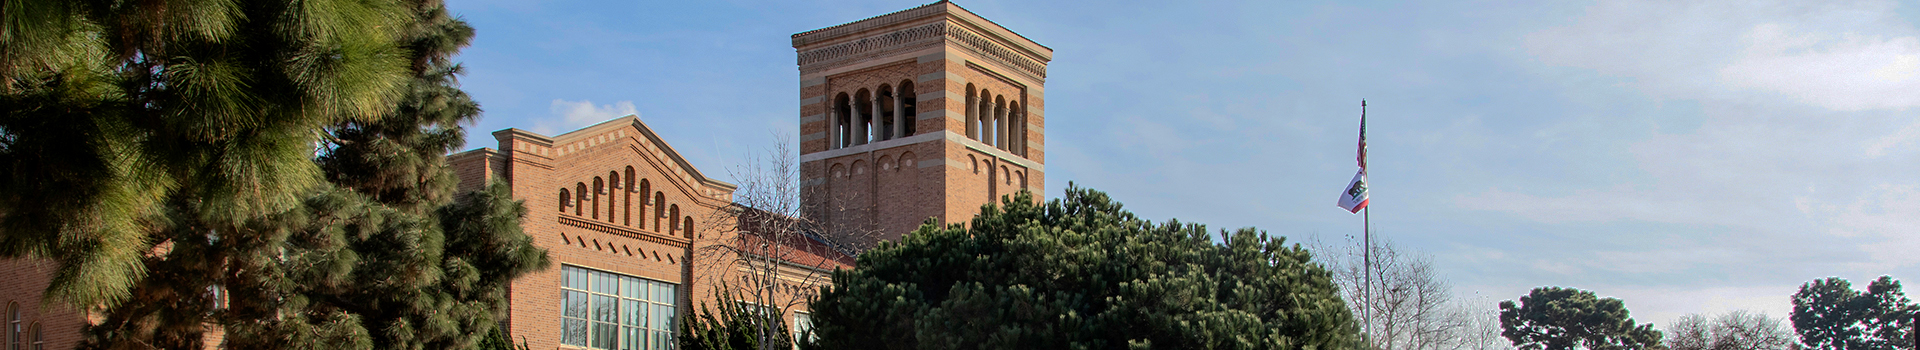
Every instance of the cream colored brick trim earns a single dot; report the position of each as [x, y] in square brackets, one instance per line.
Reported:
[938, 114]
[812, 82]
[937, 76]
[995, 152]
[813, 136]
[947, 94]
[869, 147]
[813, 118]
[812, 100]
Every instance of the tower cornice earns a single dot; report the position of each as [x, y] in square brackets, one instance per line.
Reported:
[916, 27]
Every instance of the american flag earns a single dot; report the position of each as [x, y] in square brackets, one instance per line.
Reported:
[1362, 158]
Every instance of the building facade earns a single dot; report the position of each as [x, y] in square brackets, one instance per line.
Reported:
[921, 114]
[928, 112]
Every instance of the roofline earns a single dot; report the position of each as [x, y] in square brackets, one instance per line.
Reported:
[990, 27]
[628, 120]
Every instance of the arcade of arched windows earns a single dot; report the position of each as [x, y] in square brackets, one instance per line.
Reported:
[867, 115]
[994, 120]
[612, 200]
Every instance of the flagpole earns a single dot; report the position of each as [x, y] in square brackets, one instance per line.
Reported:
[1366, 238]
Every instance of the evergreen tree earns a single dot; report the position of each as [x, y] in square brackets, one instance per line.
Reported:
[1555, 318]
[1081, 273]
[738, 326]
[1829, 315]
[378, 255]
[114, 115]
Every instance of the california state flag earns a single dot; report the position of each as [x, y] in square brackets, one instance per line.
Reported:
[1355, 198]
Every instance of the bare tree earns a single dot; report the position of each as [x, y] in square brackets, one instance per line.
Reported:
[768, 254]
[1410, 307]
[1482, 319]
[1734, 330]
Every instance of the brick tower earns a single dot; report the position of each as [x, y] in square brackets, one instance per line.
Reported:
[928, 112]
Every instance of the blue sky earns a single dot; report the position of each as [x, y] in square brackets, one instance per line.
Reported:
[1685, 156]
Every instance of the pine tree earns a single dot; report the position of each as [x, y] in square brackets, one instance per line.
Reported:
[116, 114]
[1555, 318]
[1081, 273]
[380, 254]
[1829, 314]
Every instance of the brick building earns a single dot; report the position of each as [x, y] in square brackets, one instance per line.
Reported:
[928, 112]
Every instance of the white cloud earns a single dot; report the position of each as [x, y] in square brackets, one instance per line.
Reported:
[1883, 219]
[570, 115]
[1906, 135]
[1840, 55]
[1851, 73]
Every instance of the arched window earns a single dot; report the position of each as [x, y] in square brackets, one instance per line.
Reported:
[688, 223]
[883, 100]
[863, 117]
[613, 201]
[1015, 120]
[36, 343]
[598, 188]
[579, 196]
[659, 209]
[673, 212]
[626, 212]
[14, 331]
[644, 189]
[973, 113]
[565, 197]
[842, 132]
[909, 114]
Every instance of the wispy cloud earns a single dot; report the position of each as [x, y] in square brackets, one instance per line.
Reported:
[1838, 55]
[569, 115]
[1883, 219]
[1847, 71]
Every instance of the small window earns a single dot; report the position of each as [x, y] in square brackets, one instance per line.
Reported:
[38, 342]
[14, 328]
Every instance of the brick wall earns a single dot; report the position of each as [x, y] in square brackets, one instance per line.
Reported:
[25, 279]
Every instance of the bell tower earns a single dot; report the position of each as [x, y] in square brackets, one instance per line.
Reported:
[929, 112]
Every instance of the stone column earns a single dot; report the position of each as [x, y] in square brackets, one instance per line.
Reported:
[899, 115]
[973, 117]
[1000, 126]
[833, 128]
[986, 119]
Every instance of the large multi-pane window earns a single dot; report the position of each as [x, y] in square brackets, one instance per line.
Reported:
[605, 310]
[802, 328]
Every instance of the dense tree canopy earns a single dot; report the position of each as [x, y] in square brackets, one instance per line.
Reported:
[275, 169]
[1829, 315]
[114, 114]
[1081, 273]
[1555, 318]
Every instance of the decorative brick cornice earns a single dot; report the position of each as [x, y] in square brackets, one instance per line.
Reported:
[906, 37]
[808, 37]
[625, 232]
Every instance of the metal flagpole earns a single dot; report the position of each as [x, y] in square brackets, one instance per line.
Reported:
[1366, 238]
